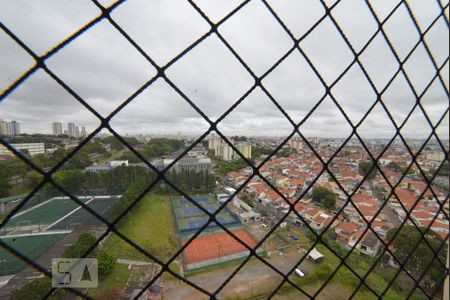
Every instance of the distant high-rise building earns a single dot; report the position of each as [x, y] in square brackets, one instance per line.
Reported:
[77, 131]
[83, 132]
[4, 128]
[225, 151]
[71, 129]
[296, 143]
[57, 128]
[14, 128]
[213, 142]
[245, 149]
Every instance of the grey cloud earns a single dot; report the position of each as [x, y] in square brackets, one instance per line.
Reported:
[104, 69]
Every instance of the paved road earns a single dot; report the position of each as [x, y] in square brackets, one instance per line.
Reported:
[132, 262]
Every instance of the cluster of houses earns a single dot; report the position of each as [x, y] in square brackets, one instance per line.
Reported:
[294, 175]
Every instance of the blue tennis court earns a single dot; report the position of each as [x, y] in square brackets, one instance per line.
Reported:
[200, 222]
[198, 200]
[195, 211]
[189, 218]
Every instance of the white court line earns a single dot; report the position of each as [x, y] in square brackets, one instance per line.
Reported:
[63, 217]
[35, 234]
[43, 203]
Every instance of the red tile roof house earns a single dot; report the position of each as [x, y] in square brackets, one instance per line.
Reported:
[441, 227]
[296, 174]
[321, 221]
[368, 245]
[310, 214]
[288, 193]
[391, 175]
[257, 187]
[296, 184]
[422, 215]
[345, 231]
[351, 214]
[300, 207]
[406, 197]
[270, 196]
[381, 227]
[233, 175]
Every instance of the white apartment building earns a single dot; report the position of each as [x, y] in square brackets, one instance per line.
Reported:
[225, 151]
[32, 148]
[71, 130]
[436, 156]
[57, 128]
[4, 128]
[9, 128]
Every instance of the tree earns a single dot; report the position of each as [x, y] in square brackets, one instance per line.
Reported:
[33, 178]
[323, 271]
[285, 152]
[240, 138]
[106, 262]
[113, 142]
[131, 157]
[393, 166]
[37, 289]
[4, 182]
[364, 168]
[80, 160]
[404, 244]
[346, 153]
[71, 180]
[84, 242]
[324, 196]
[224, 167]
[443, 171]
[258, 151]
[160, 147]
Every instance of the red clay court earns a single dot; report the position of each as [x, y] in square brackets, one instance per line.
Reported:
[216, 245]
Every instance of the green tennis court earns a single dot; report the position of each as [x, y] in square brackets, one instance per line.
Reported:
[31, 246]
[82, 216]
[45, 214]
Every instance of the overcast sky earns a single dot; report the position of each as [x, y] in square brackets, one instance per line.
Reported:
[104, 69]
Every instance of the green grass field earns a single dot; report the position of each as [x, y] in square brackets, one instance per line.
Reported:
[151, 226]
[117, 278]
[344, 281]
[31, 246]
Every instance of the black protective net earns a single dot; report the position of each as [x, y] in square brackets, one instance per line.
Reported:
[296, 46]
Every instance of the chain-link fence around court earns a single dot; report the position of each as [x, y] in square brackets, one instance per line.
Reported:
[214, 30]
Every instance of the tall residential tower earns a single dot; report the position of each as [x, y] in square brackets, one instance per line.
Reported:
[57, 128]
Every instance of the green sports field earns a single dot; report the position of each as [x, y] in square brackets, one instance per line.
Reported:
[45, 214]
[82, 216]
[31, 246]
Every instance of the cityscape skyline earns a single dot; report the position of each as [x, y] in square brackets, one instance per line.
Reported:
[74, 130]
